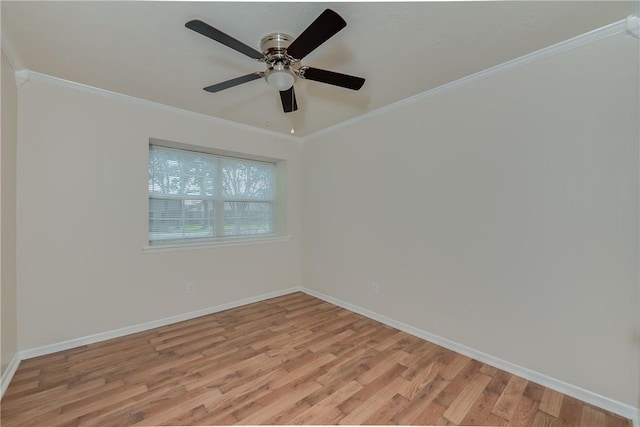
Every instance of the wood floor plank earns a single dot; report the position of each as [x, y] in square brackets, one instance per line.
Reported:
[191, 417]
[616, 421]
[500, 380]
[242, 389]
[378, 367]
[340, 367]
[481, 409]
[312, 366]
[209, 337]
[226, 414]
[488, 370]
[22, 400]
[118, 413]
[382, 397]
[384, 415]
[525, 413]
[570, 411]
[456, 385]
[277, 402]
[542, 419]
[421, 379]
[510, 397]
[432, 415]
[551, 402]
[79, 408]
[326, 410]
[288, 414]
[421, 358]
[494, 420]
[592, 417]
[534, 391]
[291, 359]
[454, 368]
[414, 412]
[274, 402]
[188, 330]
[463, 403]
[367, 392]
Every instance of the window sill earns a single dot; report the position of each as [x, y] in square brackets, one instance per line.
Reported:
[188, 246]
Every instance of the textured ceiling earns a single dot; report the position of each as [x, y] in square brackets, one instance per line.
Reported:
[142, 49]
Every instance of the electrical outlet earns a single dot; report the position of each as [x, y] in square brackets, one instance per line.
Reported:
[190, 288]
[375, 288]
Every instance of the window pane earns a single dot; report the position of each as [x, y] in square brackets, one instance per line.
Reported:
[247, 180]
[180, 172]
[241, 218]
[171, 219]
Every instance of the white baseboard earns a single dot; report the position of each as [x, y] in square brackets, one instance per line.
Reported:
[102, 336]
[8, 374]
[590, 397]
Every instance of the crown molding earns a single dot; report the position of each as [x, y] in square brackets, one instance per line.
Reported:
[36, 76]
[601, 33]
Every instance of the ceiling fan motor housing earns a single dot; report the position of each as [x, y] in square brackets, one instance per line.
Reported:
[273, 45]
[279, 74]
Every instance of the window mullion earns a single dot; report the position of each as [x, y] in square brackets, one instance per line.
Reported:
[218, 203]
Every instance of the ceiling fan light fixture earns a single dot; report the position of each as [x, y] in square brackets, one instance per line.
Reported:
[281, 79]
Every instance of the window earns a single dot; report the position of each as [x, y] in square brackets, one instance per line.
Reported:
[196, 196]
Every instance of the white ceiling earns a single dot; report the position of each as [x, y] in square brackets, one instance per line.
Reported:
[142, 49]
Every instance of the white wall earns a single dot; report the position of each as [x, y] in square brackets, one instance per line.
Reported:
[82, 217]
[502, 215]
[8, 148]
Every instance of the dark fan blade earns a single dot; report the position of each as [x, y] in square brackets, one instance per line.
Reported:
[217, 35]
[332, 78]
[288, 98]
[233, 82]
[320, 30]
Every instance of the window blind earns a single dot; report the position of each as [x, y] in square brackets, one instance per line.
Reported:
[195, 195]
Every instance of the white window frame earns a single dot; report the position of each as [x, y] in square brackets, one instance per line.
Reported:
[278, 203]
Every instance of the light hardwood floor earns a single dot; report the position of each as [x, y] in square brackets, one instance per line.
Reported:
[289, 360]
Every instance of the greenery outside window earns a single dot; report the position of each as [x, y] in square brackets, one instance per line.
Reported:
[196, 196]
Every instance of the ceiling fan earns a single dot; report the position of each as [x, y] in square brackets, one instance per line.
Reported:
[282, 54]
